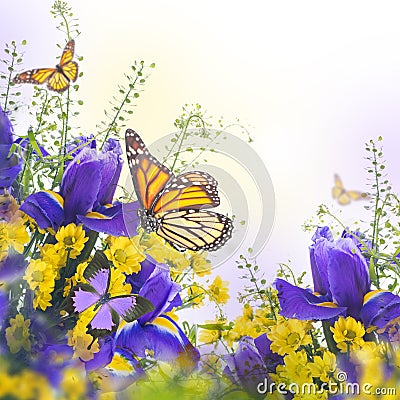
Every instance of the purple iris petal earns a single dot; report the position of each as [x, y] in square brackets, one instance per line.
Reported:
[322, 232]
[24, 143]
[319, 258]
[163, 337]
[380, 309]
[359, 239]
[12, 266]
[10, 167]
[109, 220]
[3, 307]
[78, 144]
[6, 129]
[80, 184]
[270, 358]
[45, 208]
[114, 380]
[247, 368]
[161, 290]
[302, 304]
[131, 218]
[137, 280]
[113, 151]
[348, 276]
[104, 356]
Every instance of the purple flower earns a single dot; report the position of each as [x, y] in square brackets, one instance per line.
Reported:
[155, 333]
[162, 338]
[341, 286]
[10, 165]
[86, 191]
[247, 368]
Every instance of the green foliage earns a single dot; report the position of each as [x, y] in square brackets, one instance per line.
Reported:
[124, 101]
[9, 94]
[193, 123]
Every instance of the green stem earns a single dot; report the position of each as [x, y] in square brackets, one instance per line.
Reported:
[329, 337]
[182, 138]
[11, 69]
[131, 87]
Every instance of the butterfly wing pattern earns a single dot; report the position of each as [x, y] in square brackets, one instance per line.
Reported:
[58, 78]
[95, 292]
[343, 196]
[175, 207]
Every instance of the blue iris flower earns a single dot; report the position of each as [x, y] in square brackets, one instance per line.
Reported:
[86, 193]
[341, 286]
[10, 165]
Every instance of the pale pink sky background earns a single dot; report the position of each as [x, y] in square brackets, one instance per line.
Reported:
[314, 79]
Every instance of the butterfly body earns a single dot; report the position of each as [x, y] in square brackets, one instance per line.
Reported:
[58, 78]
[176, 207]
[107, 308]
[344, 196]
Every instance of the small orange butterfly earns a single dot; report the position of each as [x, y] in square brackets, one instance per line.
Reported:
[344, 196]
[58, 78]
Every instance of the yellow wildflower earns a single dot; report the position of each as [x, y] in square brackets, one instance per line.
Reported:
[17, 334]
[54, 255]
[296, 368]
[117, 283]
[288, 335]
[72, 239]
[196, 295]
[15, 234]
[73, 383]
[348, 334]
[324, 367]
[125, 255]
[218, 291]
[199, 263]
[83, 344]
[40, 275]
[42, 300]
[214, 332]
[32, 385]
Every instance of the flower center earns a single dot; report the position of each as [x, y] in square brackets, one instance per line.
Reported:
[120, 256]
[18, 333]
[349, 334]
[293, 338]
[69, 240]
[38, 276]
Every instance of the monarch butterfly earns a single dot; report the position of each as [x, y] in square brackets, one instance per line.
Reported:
[173, 206]
[344, 196]
[57, 78]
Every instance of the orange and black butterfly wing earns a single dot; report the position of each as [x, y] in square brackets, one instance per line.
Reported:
[148, 175]
[35, 76]
[68, 53]
[58, 82]
[195, 229]
[193, 190]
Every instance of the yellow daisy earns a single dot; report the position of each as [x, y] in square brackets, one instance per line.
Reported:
[17, 334]
[218, 291]
[348, 334]
[125, 255]
[288, 335]
[72, 239]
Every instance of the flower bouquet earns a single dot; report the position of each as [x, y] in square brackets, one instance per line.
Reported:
[93, 285]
